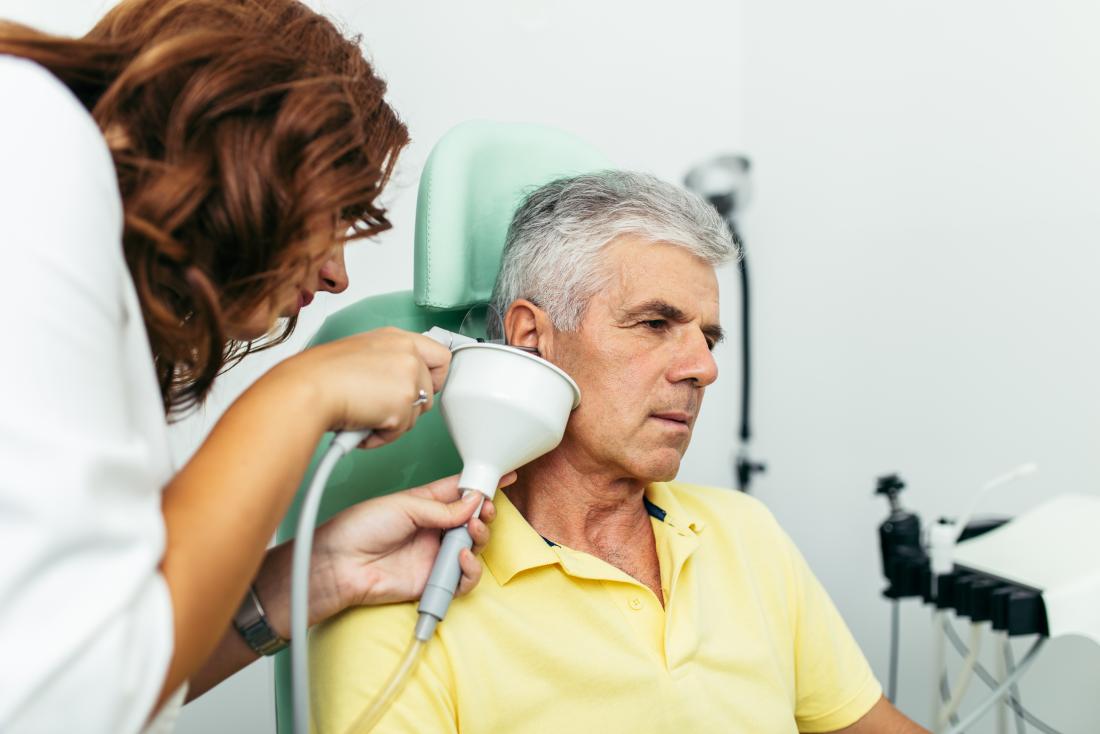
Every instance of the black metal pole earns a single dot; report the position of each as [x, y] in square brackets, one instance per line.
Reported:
[745, 467]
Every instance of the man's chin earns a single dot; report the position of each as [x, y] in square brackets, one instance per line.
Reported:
[658, 468]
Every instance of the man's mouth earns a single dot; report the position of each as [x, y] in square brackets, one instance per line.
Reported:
[674, 419]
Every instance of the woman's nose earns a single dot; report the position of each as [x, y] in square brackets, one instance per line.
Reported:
[333, 276]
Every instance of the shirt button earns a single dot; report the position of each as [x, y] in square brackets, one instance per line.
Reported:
[635, 603]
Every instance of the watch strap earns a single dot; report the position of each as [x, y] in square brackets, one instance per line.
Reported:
[251, 622]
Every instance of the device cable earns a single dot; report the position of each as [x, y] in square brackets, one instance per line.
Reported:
[396, 682]
[945, 696]
[941, 689]
[1001, 690]
[988, 679]
[965, 674]
[1014, 693]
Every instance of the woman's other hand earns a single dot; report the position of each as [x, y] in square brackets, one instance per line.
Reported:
[381, 551]
[372, 380]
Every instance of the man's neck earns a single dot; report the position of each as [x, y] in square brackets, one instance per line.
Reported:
[600, 513]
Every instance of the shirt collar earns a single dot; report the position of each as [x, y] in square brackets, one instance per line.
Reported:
[676, 517]
[515, 546]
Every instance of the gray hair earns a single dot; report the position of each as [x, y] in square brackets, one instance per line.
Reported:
[552, 255]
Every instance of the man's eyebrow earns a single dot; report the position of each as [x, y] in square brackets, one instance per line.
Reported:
[666, 310]
[716, 333]
[656, 307]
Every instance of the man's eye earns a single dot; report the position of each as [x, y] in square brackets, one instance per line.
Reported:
[656, 324]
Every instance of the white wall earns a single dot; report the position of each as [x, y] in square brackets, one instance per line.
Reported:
[921, 239]
[924, 241]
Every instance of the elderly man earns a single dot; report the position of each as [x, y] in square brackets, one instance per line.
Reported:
[616, 599]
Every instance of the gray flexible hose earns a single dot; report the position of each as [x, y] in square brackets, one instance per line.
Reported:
[344, 442]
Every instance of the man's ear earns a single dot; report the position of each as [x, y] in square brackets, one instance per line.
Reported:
[527, 325]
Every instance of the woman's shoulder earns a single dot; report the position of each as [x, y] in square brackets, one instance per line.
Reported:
[57, 179]
[45, 126]
[33, 95]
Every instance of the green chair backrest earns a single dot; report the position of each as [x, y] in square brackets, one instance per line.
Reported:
[473, 181]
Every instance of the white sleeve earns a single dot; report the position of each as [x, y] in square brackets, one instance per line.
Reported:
[85, 615]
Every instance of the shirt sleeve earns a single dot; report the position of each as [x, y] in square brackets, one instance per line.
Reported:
[834, 684]
[353, 655]
[85, 616]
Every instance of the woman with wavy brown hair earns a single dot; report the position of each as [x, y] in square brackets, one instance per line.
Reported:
[174, 187]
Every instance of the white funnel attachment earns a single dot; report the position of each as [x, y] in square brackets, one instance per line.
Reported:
[503, 408]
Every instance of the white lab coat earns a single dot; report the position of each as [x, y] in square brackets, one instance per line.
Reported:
[85, 615]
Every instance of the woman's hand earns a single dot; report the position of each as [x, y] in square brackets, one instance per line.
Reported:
[371, 380]
[376, 552]
[381, 551]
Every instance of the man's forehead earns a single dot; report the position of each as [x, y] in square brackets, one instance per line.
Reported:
[647, 275]
[628, 291]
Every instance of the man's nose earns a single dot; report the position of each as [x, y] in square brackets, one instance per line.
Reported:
[333, 276]
[696, 362]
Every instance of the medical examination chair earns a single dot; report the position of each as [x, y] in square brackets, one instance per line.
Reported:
[473, 181]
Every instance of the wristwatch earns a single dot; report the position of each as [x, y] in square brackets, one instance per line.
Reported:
[251, 623]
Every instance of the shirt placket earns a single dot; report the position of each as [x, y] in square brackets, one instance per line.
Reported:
[681, 636]
[636, 602]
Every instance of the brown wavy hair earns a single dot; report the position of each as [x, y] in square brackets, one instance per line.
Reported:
[250, 137]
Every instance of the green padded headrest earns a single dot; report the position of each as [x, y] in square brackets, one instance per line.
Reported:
[475, 178]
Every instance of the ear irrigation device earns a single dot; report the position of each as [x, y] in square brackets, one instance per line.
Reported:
[503, 407]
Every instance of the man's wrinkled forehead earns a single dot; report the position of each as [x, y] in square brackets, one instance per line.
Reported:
[635, 287]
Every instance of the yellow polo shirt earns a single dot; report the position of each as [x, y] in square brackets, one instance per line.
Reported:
[555, 640]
